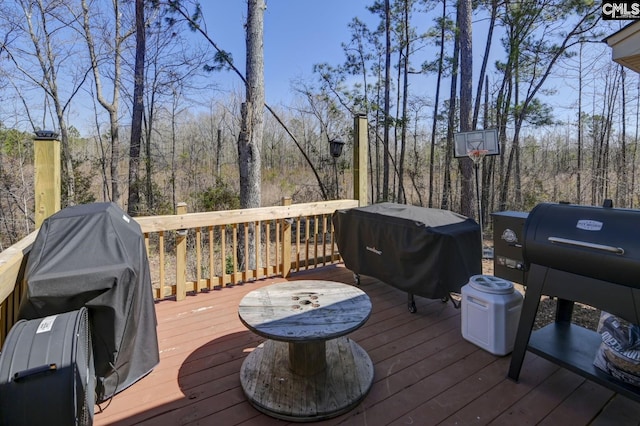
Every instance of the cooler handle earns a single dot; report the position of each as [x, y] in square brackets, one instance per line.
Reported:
[610, 249]
[21, 375]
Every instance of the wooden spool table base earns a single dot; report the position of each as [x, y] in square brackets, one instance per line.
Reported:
[306, 370]
[273, 388]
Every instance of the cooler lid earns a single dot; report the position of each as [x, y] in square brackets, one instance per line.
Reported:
[491, 284]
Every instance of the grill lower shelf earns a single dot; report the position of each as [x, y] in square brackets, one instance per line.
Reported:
[562, 342]
[574, 347]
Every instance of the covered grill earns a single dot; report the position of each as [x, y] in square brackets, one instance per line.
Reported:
[423, 251]
[94, 256]
[581, 254]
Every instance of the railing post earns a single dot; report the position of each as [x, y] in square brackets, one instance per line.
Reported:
[360, 156]
[47, 183]
[181, 256]
[286, 242]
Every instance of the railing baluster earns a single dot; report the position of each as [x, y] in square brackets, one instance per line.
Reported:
[161, 263]
[234, 254]
[307, 228]
[286, 242]
[278, 255]
[316, 228]
[298, 243]
[324, 240]
[212, 272]
[198, 284]
[334, 256]
[4, 324]
[223, 254]
[247, 262]
[181, 257]
[256, 270]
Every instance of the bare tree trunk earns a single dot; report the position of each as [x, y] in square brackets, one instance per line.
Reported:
[503, 111]
[250, 140]
[147, 160]
[634, 153]
[466, 95]
[395, 158]
[133, 205]
[451, 125]
[378, 151]
[387, 101]
[579, 153]
[405, 98]
[489, 165]
[623, 191]
[515, 146]
[218, 152]
[115, 156]
[174, 200]
[434, 125]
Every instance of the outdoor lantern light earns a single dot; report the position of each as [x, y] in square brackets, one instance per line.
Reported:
[335, 146]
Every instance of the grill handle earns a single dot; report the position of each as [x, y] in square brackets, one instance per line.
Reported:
[609, 249]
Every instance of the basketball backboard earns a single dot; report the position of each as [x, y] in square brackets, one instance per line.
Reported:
[476, 140]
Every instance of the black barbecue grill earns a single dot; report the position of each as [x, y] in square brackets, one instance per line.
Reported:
[597, 242]
[578, 254]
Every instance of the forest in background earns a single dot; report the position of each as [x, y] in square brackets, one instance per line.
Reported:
[58, 56]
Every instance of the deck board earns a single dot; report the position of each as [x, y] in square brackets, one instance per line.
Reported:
[425, 372]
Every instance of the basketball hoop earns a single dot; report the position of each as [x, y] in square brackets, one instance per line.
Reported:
[477, 155]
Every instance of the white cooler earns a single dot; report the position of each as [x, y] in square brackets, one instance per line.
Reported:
[490, 313]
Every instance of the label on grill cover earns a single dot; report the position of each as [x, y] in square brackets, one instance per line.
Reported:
[46, 324]
[589, 225]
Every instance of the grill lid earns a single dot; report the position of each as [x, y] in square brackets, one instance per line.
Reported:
[598, 242]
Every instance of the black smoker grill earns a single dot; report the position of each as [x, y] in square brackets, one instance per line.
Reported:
[578, 254]
[426, 252]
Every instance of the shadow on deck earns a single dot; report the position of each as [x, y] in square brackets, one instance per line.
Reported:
[425, 372]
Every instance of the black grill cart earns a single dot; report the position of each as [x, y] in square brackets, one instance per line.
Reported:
[583, 254]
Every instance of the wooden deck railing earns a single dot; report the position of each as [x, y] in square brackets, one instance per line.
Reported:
[13, 261]
[192, 252]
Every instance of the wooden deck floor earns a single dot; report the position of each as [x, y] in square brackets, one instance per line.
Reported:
[425, 372]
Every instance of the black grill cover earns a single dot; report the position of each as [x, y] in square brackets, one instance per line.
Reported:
[426, 252]
[597, 242]
[94, 255]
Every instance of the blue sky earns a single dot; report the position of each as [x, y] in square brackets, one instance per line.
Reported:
[297, 35]
[301, 33]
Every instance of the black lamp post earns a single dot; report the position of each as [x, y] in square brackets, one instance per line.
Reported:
[335, 147]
